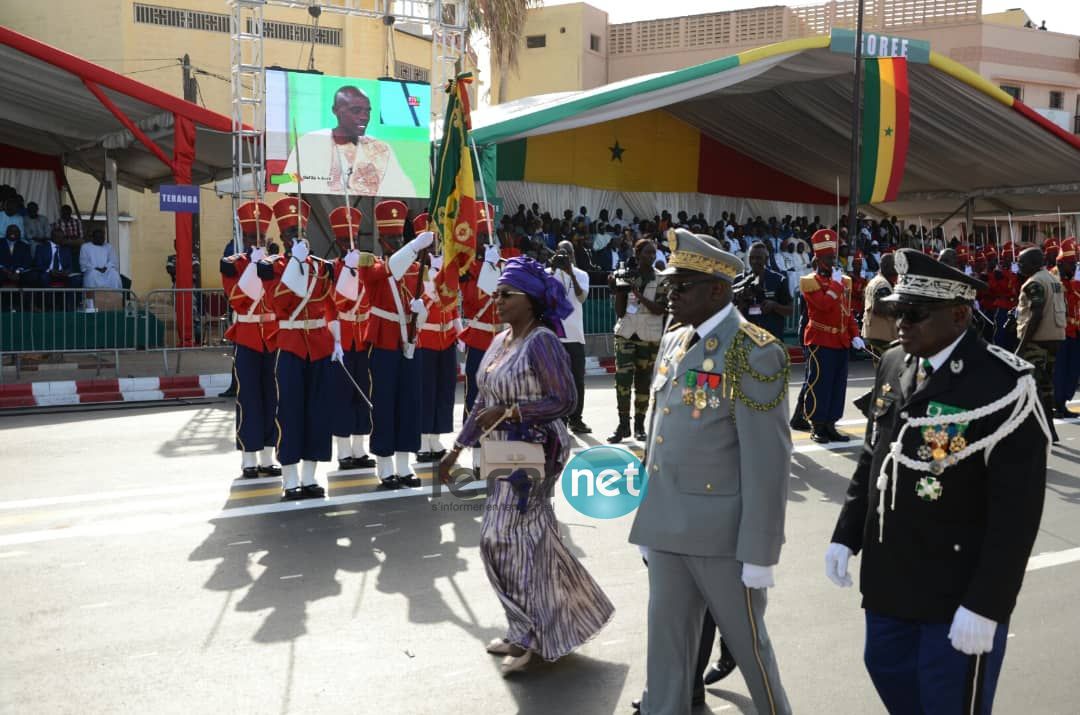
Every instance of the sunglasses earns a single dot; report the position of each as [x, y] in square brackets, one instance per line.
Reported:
[504, 293]
[918, 313]
[674, 288]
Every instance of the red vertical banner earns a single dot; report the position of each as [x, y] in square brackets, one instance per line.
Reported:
[183, 157]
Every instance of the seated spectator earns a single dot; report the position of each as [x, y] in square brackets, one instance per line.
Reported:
[53, 267]
[15, 259]
[12, 217]
[72, 229]
[99, 264]
[37, 226]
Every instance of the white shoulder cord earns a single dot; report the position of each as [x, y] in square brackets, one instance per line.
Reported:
[1025, 400]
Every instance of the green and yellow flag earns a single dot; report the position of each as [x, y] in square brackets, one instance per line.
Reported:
[453, 198]
[886, 124]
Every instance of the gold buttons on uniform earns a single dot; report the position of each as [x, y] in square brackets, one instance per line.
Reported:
[659, 439]
[956, 547]
[708, 487]
[667, 410]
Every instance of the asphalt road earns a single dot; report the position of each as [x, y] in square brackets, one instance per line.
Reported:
[140, 578]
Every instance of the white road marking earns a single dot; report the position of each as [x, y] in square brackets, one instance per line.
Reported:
[12, 554]
[290, 576]
[239, 543]
[1053, 558]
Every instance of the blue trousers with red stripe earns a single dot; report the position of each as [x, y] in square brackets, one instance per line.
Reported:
[1066, 371]
[395, 393]
[302, 415]
[349, 414]
[256, 399]
[826, 381]
[438, 385]
[917, 671]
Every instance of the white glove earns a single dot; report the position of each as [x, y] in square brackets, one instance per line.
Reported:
[837, 275]
[422, 241]
[968, 271]
[858, 343]
[300, 249]
[971, 633]
[436, 263]
[338, 355]
[754, 576]
[492, 255]
[1015, 267]
[352, 259]
[836, 563]
[257, 254]
[461, 346]
[417, 305]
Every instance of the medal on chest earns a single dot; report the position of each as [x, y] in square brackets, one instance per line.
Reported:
[941, 445]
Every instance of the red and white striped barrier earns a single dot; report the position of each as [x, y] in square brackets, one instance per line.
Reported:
[125, 389]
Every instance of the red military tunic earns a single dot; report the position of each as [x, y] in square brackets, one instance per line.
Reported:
[1072, 308]
[440, 330]
[1004, 289]
[353, 314]
[858, 291]
[481, 319]
[384, 323]
[255, 321]
[302, 330]
[831, 323]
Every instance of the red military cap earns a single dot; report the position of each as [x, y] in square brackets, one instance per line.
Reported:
[390, 217]
[858, 256]
[824, 242]
[420, 223]
[254, 217]
[989, 252]
[1068, 251]
[291, 211]
[345, 222]
[1050, 247]
[1008, 251]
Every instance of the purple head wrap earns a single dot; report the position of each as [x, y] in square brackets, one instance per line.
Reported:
[530, 277]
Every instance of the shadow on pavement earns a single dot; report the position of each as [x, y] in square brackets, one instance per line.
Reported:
[812, 475]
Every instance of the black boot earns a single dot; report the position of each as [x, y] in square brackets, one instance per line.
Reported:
[639, 428]
[799, 422]
[621, 432]
[819, 432]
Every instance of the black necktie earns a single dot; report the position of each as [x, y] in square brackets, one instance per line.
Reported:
[694, 337]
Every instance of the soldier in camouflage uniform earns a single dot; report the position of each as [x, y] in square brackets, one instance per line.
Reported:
[640, 306]
[1040, 323]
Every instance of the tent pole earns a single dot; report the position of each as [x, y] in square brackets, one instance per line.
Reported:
[853, 192]
[71, 195]
[97, 200]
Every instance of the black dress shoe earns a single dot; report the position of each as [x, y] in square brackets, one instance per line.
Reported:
[346, 463]
[363, 462]
[579, 427]
[721, 668]
[390, 482]
[313, 491]
[438, 455]
[820, 434]
[409, 480]
[836, 435]
[293, 494]
[424, 457]
[270, 471]
[636, 705]
[250, 473]
[800, 424]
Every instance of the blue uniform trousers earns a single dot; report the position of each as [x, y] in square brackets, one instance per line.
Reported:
[302, 415]
[256, 399]
[438, 384]
[473, 356]
[395, 393]
[1002, 338]
[349, 414]
[826, 381]
[1066, 371]
[917, 671]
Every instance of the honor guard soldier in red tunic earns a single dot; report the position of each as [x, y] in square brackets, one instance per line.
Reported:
[1005, 287]
[858, 286]
[436, 342]
[1067, 365]
[481, 321]
[299, 288]
[395, 286]
[350, 420]
[1050, 249]
[830, 332]
[256, 395]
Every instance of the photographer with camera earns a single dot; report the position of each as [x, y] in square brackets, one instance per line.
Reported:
[761, 294]
[576, 283]
[639, 307]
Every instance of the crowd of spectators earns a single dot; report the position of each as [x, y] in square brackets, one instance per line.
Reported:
[36, 252]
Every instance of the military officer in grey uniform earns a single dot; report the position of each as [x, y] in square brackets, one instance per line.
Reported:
[719, 456]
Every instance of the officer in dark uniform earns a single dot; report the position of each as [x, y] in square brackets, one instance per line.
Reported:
[761, 294]
[946, 499]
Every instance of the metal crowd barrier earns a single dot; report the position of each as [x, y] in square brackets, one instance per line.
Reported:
[189, 319]
[41, 321]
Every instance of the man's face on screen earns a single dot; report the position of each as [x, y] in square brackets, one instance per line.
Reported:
[353, 111]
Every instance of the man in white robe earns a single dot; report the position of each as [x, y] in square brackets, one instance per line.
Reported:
[99, 264]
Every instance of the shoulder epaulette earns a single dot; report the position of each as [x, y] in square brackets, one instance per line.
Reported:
[809, 284]
[1016, 362]
[758, 334]
[847, 280]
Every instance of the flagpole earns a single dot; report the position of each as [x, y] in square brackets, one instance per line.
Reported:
[853, 193]
[346, 178]
[483, 190]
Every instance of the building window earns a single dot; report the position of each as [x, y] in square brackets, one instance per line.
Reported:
[411, 73]
[594, 43]
[186, 19]
[1014, 92]
[535, 41]
[1057, 99]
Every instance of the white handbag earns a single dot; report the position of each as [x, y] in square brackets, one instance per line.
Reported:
[503, 457]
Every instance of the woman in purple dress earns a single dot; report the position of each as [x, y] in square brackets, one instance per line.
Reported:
[525, 386]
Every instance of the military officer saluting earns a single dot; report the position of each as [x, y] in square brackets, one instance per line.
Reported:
[945, 501]
[712, 518]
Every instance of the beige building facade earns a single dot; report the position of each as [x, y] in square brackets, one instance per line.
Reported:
[146, 40]
[1041, 68]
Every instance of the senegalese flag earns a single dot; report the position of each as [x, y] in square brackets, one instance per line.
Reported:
[886, 125]
[453, 197]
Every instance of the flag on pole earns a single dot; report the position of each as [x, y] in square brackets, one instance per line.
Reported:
[453, 197]
[886, 124]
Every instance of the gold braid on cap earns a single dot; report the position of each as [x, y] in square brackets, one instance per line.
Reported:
[702, 264]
